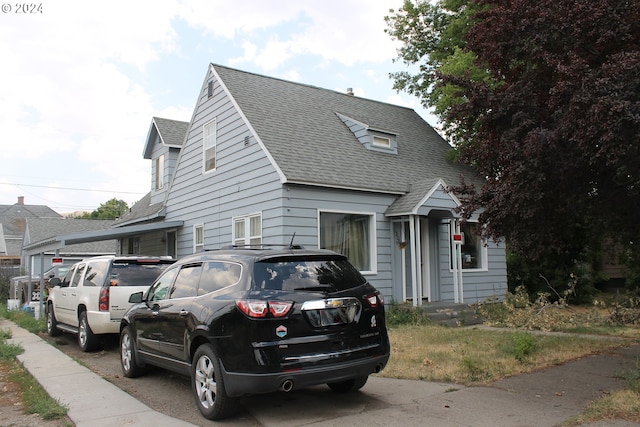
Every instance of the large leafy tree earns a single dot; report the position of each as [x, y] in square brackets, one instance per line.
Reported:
[548, 112]
[111, 209]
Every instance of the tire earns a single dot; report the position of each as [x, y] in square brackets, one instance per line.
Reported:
[52, 323]
[208, 385]
[349, 386]
[86, 339]
[128, 355]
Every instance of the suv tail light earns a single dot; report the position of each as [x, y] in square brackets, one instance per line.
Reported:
[260, 308]
[103, 299]
[374, 299]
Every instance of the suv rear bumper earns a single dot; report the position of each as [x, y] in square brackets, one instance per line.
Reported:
[100, 323]
[239, 384]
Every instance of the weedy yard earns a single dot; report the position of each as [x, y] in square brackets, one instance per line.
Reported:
[518, 336]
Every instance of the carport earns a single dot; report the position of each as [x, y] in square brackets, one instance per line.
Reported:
[56, 243]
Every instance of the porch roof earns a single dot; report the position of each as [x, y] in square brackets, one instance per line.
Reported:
[421, 195]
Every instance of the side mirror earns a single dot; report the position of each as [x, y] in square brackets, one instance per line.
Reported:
[135, 298]
[54, 281]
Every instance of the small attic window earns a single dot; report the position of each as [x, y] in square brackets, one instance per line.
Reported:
[380, 141]
[210, 89]
[372, 138]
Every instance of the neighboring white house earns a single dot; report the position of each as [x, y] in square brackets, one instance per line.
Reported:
[263, 160]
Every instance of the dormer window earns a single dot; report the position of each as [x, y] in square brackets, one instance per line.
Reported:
[159, 172]
[372, 138]
[380, 141]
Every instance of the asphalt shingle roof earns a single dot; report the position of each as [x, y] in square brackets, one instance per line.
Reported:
[172, 132]
[299, 127]
[41, 229]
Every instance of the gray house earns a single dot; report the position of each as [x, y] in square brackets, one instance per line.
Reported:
[268, 161]
[264, 160]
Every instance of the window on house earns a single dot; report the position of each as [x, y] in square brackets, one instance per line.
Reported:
[209, 146]
[473, 250]
[247, 230]
[198, 238]
[380, 141]
[209, 89]
[351, 234]
[133, 245]
[160, 172]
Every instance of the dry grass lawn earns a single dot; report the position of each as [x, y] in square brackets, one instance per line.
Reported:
[476, 356]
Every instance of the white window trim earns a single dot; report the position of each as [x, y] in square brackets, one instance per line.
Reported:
[373, 250]
[215, 145]
[485, 256]
[198, 247]
[247, 226]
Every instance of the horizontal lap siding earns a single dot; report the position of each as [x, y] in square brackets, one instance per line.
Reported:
[301, 205]
[243, 183]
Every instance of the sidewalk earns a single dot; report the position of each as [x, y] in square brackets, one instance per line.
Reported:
[544, 398]
[91, 400]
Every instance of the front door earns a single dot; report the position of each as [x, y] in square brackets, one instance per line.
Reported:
[421, 250]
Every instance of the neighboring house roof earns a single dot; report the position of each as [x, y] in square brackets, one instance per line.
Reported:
[141, 211]
[12, 221]
[171, 133]
[303, 129]
[42, 229]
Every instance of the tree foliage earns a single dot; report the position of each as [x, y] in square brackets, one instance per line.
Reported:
[111, 209]
[551, 123]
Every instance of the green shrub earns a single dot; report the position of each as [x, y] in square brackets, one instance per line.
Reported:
[403, 314]
[523, 345]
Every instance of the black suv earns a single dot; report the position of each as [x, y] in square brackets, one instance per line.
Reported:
[243, 321]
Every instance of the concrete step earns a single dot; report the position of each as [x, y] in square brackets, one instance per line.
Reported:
[452, 314]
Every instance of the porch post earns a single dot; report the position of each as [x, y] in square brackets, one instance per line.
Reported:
[458, 292]
[418, 265]
[414, 277]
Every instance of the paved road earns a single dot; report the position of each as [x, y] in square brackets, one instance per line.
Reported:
[545, 398]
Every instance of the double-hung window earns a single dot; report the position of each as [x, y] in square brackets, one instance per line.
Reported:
[159, 172]
[473, 249]
[247, 230]
[198, 238]
[209, 146]
[351, 234]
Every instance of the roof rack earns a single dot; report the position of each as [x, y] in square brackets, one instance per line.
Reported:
[262, 246]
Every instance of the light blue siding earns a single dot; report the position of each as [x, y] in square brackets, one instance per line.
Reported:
[246, 182]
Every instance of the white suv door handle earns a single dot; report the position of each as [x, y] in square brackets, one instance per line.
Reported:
[183, 313]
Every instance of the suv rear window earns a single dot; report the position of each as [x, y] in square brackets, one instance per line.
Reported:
[298, 274]
[132, 274]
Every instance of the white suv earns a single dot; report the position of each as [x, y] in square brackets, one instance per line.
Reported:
[94, 294]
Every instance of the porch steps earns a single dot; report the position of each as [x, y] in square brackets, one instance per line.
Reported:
[452, 314]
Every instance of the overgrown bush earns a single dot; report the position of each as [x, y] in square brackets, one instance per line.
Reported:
[519, 310]
[554, 274]
[403, 314]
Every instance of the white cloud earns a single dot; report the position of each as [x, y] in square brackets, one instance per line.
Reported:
[332, 31]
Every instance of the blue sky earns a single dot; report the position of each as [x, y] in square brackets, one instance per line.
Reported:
[80, 81]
